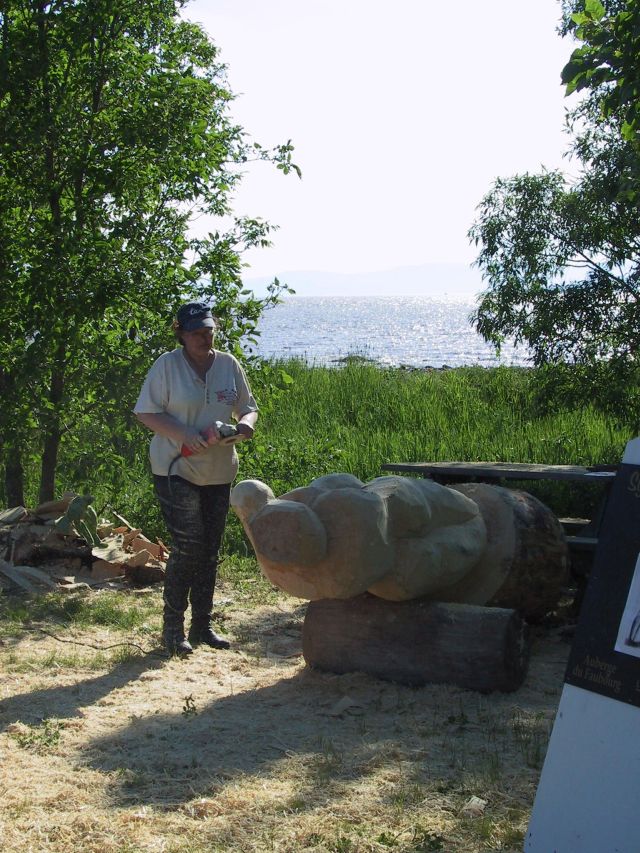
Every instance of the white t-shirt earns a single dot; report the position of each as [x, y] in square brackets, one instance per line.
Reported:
[173, 387]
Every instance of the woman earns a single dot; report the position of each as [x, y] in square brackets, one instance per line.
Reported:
[184, 394]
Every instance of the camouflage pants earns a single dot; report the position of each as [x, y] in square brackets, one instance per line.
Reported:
[195, 517]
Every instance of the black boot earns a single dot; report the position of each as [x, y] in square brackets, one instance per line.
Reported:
[173, 634]
[201, 633]
[175, 642]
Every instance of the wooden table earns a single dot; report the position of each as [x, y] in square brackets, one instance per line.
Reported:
[488, 472]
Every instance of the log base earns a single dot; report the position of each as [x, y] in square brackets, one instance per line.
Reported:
[418, 642]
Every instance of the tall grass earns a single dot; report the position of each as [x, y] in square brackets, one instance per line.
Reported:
[357, 418]
[360, 417]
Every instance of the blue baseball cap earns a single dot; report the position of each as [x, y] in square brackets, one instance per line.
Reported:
[195, 315]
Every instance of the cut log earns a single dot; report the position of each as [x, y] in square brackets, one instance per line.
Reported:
[418, 642]
[525, 564]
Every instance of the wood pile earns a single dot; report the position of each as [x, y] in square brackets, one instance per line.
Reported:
[35, 555]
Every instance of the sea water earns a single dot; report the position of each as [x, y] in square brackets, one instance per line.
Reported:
[392, 331]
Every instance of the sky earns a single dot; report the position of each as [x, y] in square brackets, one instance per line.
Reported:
[402, 115]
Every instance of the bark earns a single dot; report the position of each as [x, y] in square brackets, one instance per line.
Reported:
[418, 642]
[13, 478]
[51, 442]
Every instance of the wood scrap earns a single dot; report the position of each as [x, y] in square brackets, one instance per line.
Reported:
[122, 520]
[128, 538]
[140, 558]
[144, 575]
[36, 554]
[141, 543]
[13, 515]
[79, 581]
[55, 508]
[16, 576]
[69, 585]
[111, 550]
[70, 565]
[106, 570]
[37, 543]
[37, 575]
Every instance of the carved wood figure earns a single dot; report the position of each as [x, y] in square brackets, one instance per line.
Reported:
[405, 540]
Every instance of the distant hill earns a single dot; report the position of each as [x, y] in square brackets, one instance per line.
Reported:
[436, 280]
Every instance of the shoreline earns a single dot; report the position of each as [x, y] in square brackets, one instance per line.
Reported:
[338, 362]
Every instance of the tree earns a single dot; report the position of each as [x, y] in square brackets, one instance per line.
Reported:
[114, 132]
[561, 256]
[606, 63]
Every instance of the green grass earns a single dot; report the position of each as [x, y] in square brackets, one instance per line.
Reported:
[42, 738]
[363, 416]
[357, 418]
[133, 620]
[248, 585]
[107, 609]
[360, 416]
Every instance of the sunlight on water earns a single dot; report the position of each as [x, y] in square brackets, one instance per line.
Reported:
[412, 331]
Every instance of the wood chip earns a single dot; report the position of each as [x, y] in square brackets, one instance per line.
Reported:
[474, 807]
[105, 570]
[345, 704]
[141, 544]
[128, 538]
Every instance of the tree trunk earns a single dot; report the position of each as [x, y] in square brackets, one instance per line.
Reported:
[13, 478]
[49, 464]
[52, 434]
[51, 441]
[418, 642]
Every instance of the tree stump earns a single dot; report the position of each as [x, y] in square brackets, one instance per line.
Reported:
[418, 642]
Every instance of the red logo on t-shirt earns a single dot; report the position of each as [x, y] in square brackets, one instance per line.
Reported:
[228, 396]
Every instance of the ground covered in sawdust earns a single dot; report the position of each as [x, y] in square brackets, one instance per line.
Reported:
[249, 750]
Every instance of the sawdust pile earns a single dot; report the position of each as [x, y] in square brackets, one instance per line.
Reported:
[250, 750]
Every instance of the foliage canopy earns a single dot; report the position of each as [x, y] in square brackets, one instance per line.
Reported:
[115, 133]
[561, 257]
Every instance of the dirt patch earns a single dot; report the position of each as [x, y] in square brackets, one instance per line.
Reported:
[249, 750]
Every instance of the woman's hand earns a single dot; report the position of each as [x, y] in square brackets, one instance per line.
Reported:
[245, 430]
[197, 441]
